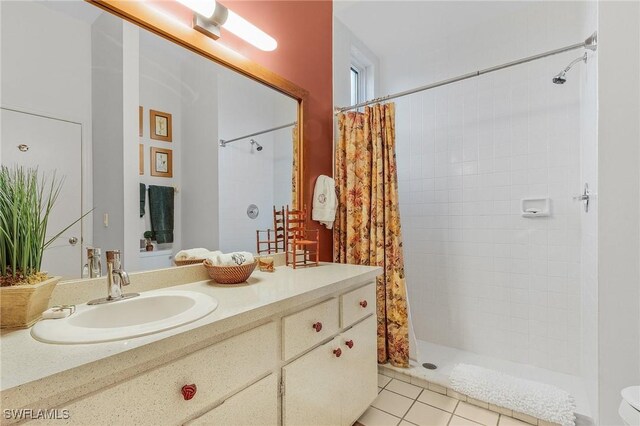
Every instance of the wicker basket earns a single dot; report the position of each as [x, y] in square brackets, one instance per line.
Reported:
[188, 262]
[230, 274]
[23, 305]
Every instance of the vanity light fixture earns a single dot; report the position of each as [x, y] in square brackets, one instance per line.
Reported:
[210, 16]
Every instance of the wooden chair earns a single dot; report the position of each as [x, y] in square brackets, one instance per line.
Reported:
[275, 238]
[303, 245]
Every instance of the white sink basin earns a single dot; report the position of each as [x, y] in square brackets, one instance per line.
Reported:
[148, 313]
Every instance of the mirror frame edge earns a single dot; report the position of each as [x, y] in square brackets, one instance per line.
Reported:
[138, 13]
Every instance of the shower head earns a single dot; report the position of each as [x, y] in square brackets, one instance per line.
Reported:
[561, 77]
[258, 146]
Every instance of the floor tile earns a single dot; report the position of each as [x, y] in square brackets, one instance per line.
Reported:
[461, 421]
[383, 380]
[375, 417]
[392, 403]
[439, 401]
[406, 423]
[525, 418]
[477, 414]
[478, 403]
[437, 388]
[456, 395]
[501, 410]
[403, 377]
[509, 421]
[426, 415]
[405, 389]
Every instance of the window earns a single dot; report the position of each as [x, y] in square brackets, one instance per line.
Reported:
[355, 85]
[361, 74]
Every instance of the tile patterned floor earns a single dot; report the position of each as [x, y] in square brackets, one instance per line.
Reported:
[404, 404]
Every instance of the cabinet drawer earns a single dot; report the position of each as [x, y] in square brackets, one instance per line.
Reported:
[357, 304]
[299, 333]
[256, 405]
[155, 397]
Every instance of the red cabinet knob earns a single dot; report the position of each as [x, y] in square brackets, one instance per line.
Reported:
[349, 343]
[363, 303]
[189, 391]
[337, 352]
[317, 326]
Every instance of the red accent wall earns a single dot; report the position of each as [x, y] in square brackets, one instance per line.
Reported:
[304, 31]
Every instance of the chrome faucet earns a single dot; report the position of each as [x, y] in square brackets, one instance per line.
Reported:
[116, 278]
[93, 267]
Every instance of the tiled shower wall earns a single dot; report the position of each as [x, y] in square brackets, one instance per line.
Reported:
[481, 277]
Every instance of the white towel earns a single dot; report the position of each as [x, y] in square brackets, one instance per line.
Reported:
[212, 256]
[325, 201]
[233, 259]
[196, 253]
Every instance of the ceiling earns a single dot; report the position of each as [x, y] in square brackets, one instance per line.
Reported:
[386, 26]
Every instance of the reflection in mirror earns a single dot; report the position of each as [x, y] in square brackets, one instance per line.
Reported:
[134, 123]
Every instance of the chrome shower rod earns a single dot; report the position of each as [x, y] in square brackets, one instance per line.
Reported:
[590, 43]
[224, 142]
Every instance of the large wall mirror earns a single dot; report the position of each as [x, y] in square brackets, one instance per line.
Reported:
[134, 124]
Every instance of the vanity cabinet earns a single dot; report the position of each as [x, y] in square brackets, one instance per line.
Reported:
[155, 398]
[359, 371]
[304, 329]
[256, 405]
[312, 366]
[334, 383]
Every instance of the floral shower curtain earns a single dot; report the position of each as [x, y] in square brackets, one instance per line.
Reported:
[367, 226]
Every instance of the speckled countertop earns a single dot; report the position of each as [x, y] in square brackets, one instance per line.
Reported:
[35, 372]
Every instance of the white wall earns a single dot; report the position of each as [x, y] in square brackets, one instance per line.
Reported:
[161, 90]
[345, 46]
[246, 176]
[619, 203]
[589, 221]
[108, 98]
[115, 64]
[199, 189]
[49, 72]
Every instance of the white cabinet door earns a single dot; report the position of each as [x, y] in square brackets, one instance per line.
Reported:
[257, 405]
[359, 378]
[311, 392]
[51, 145]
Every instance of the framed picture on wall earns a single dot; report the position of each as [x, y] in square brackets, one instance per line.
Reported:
[141, 158]
[140, 115]
[161, 162]
[160, 124]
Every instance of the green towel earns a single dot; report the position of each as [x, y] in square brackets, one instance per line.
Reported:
[143, 196]
[161, 210]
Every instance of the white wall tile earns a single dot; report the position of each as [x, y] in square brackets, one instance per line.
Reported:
[489, 143]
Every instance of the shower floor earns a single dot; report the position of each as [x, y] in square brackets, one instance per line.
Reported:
[446, 358]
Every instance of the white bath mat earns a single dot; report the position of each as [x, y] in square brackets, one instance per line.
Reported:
[541, 401]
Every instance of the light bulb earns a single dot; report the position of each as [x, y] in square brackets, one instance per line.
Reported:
[249, 32]
[201, 7]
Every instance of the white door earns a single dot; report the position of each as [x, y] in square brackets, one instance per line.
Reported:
[51, 145]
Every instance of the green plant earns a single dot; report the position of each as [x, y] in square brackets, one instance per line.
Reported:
[26, 201]
[148, 235]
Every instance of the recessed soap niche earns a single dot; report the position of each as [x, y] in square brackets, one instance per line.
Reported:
[536, 207]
